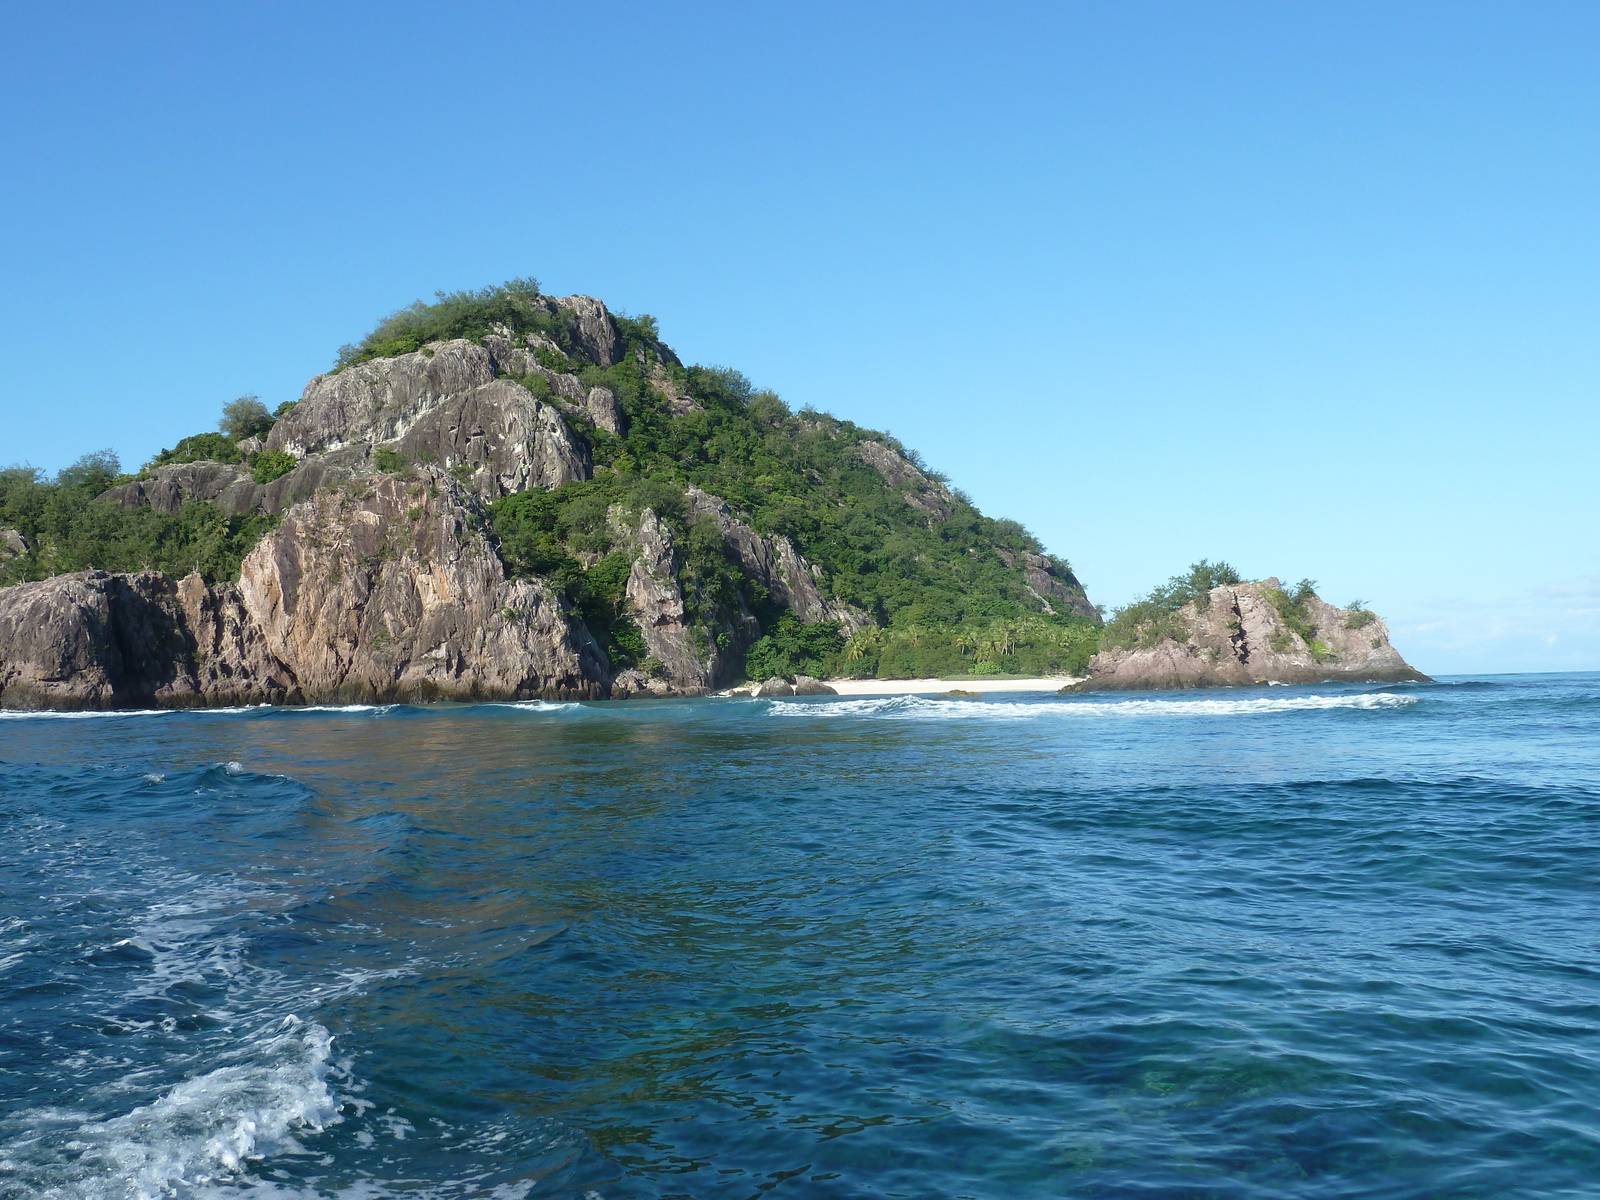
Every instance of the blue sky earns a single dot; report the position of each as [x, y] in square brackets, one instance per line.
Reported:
[1312, 288]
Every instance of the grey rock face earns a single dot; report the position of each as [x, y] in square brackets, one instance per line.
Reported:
[922, 493]
[448, 407]
[12, 544]
[596, 333]
[390, 590]
[1056, 590]
[655, 600]
[774, 563]
[1240, 638]
[806, 685]
[172, 485]
[94, 640]
[378, 401]
[385, 589]
[774, 687]
[508, 439]
[601, 405]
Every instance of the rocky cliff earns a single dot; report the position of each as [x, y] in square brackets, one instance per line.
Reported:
[1251, 633]
[386, 578]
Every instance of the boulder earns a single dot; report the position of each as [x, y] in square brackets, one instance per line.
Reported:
[805, 685]
[775, 686]
[12, 544]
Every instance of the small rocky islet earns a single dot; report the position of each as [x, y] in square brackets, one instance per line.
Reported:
[508, 496]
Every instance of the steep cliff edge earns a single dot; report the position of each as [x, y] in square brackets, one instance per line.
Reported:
[1237, 634]
[507, 495]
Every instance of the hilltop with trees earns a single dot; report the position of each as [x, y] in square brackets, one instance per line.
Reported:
[687, 527]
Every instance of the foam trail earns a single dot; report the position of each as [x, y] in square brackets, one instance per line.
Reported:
[205, 1131]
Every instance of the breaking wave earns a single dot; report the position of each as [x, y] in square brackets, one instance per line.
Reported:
[924, 708]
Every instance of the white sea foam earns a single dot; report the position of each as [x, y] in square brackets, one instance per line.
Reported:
[128, 713]
[12, 714]
[922, 708]
[206, 1130]
[538, 706]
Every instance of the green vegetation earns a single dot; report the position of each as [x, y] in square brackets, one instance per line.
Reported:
[541, 533]
[243, 418]
[790, 648]
[1294, 611]
[199, 447]
[1360, 615]
[1148, 620]
[515, 305]
[267, 465]
[68, 528]
[937, 586]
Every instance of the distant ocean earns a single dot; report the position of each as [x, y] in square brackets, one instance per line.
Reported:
[1332, 942]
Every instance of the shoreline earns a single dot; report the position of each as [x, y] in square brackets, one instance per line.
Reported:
[919, 687]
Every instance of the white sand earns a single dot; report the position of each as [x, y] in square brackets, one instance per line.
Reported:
[919, 687]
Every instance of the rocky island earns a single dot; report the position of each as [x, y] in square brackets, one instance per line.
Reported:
[507, 495]
[1211, 629]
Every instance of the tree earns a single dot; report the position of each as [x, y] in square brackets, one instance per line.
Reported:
[244, 417]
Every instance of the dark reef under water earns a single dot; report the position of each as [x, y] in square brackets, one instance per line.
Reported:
[1307, 942]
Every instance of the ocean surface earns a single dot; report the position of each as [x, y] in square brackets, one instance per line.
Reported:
[1280, 943]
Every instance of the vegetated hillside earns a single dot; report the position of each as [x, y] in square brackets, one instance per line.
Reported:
[687, 469]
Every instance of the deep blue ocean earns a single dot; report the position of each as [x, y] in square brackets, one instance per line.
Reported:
[1280, 943]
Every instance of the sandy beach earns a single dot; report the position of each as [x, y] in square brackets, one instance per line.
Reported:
[918, 687]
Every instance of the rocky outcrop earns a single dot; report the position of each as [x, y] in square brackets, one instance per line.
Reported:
[94, 640]
[1051, 583]
[1251, 633]
[392, 590]
[593, 329]
[601, 407]
[446, 405]
[774, 564]
[921, 493]
[382, 582]
[386, 589]
[656, 603]
[690, 657]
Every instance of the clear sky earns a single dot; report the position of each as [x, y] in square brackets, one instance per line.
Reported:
[1310, 287]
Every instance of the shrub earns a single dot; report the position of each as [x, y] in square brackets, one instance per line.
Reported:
[267, 465]
[69, 528]
[789, 648]
[199, 447]
[1292, 610]
[389, 460]
[469, 314]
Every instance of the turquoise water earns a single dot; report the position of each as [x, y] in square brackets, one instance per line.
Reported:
[1288, 942]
